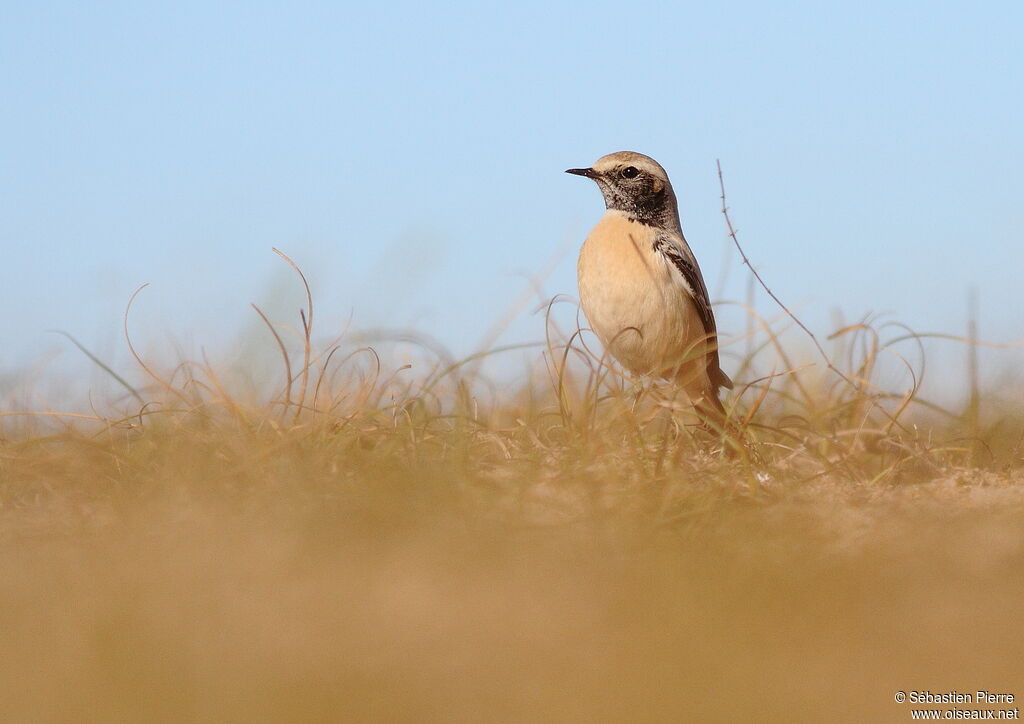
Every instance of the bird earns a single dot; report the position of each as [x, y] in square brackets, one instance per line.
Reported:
[641, 288]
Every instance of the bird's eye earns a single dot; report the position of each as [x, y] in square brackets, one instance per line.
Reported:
[630, 172]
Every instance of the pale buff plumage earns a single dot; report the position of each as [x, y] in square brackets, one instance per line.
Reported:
[640, 287]
[638, 305]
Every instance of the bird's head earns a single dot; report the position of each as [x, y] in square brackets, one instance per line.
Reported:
[635, 184]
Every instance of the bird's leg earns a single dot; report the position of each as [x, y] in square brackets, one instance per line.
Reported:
[638, 394]
[715, 421]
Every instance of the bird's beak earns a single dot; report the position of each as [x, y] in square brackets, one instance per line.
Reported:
[588, 172]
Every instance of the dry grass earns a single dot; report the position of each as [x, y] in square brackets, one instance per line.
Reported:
[379, 543]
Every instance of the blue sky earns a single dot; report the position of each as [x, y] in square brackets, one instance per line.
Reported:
[410, 159]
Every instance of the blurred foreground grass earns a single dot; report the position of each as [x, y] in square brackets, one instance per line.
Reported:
[379, 543]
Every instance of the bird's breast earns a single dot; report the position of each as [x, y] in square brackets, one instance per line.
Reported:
[620, 250]
[631, 296]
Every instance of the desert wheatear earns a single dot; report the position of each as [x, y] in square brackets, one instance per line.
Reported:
[640, 285]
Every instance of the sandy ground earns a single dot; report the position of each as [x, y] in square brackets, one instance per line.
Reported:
[405, 602]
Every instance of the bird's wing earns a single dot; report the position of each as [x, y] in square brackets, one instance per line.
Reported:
[678, 253]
